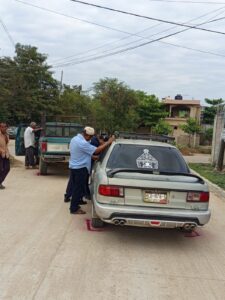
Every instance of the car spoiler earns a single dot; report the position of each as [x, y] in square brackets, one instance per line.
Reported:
[112, 172]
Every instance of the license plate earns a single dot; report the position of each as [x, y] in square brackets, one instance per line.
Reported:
[155, 197]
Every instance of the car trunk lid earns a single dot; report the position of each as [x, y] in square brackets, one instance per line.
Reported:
[155, 190]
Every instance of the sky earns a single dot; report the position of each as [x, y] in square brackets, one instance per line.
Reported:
[79, 41]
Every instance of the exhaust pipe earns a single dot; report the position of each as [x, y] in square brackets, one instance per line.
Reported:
[122, 222]
[116, 222]
[189, 227]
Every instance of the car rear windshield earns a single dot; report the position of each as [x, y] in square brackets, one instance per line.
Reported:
[162, 159]
[62, 131]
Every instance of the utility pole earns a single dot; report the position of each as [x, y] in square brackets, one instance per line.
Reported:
[61, 83]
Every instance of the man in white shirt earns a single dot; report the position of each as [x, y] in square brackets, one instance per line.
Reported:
[29, 143]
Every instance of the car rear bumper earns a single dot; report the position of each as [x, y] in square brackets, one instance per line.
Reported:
[55, 158]
[150, 217]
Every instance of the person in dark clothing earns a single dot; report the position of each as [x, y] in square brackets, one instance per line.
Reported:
[95, 141]
[4, 154]
[81, 152]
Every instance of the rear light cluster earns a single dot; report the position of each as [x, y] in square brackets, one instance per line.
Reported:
[198, 197]
[44, 146]
[111, 190]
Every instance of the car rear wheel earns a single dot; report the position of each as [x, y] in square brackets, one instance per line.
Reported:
[43, 167]
[97, 223]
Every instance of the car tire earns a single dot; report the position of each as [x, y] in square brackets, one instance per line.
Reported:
[97, 223]
[43, 167]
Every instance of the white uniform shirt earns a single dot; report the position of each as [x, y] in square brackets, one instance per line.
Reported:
[29, 138]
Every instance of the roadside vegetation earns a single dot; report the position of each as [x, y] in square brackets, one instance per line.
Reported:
[29, 91]
[209, 172]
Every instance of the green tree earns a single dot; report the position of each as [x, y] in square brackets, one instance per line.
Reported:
[150, 110]
[210, 111]
[163, 128]
[74, 102]
[28, 85]
[114, 104]
[7, 79]
[192, 128]
[208, 135]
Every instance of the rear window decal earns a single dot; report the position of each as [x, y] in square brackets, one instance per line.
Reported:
[147, 161]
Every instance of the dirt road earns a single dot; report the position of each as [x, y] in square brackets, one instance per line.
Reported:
[46, 253]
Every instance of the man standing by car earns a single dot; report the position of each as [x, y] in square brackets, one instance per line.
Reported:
[4, 154]
[29, 143]
[81, 152]
[95, 141]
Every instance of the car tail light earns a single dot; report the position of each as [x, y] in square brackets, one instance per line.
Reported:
[111, 190]
[43, 146]
[198, 197]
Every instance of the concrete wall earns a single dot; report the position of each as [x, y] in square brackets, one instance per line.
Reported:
[195, 113]
[217, 130]
[186, 140]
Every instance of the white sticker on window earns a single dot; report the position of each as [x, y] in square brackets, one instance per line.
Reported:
[147, 161]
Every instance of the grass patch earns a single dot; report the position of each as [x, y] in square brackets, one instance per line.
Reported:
[208, 171]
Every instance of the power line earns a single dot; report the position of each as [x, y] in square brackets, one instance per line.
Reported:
[71, 62]
[108, 43]
[141, 37]
[71, 17]
[193, 49]
[123, 50]
[131, 48]
[146, 17]
[48, 10]
[188, 2]
[83, 20]
[7, 32]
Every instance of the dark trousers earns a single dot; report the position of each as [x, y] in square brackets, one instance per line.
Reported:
[4, 168]
[79, 180]
[29, 157]
[69, 188]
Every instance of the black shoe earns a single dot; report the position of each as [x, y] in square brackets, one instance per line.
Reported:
[66, 199]
[82, 202]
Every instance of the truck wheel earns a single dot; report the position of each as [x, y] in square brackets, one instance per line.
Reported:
[97, 223]
[43, 167]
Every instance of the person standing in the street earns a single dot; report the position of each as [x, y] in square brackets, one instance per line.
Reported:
[95, 141]
[4, 154]
[29, 143]
[81, 152]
